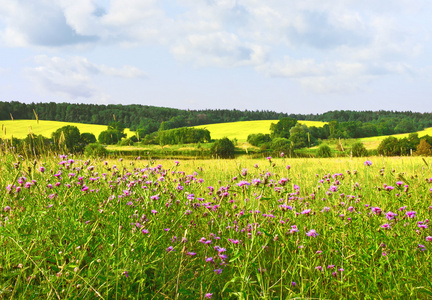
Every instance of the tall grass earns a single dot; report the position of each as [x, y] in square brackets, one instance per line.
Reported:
[223, 229]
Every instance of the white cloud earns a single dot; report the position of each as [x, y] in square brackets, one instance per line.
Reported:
[219, 49]
[74, 76]
[323, 42]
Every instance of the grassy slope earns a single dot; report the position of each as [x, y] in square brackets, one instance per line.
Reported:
[20, 128]
[241, 130]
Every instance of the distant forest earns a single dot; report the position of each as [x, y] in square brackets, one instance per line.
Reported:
[147, 119]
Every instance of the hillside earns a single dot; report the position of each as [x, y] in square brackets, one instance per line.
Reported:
[241, 130]
[21, 128]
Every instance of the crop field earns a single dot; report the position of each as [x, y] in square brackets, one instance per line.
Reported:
[21, 128]
[275, 228]
[241, 130]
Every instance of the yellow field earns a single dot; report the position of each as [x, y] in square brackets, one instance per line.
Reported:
[21, 128]
[374, 141]
[241, 130]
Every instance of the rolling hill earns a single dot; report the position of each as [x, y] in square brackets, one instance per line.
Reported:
[21, 128]
[241, 130]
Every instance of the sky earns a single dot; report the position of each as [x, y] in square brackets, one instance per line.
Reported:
[280, 55]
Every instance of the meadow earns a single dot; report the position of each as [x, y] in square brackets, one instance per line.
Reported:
[21, 128]
[271, 228]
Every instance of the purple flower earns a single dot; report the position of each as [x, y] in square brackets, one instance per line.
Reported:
[429, 238]
[411, 214]
[154, 211]
[170, 248]
[306, 212]
[208, 295]
[293, 283]
[368, 163]
[385, 226]
[218, 271]
[390, 215]
[312, 232]
[126, 274]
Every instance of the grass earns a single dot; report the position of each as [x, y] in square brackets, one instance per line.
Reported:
[241, 130]
[21, 128]
[74, 227]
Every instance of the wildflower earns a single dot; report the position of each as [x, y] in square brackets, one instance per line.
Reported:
[312, 232]
[319, 268]
[145, 231]
[306, 212]
[411, 214]
[170, 248]
[126, 274]
[7, 208]
[209, 259]
[293, 283]
[217, 271]
[368, 163]
[235, 242]
[191, 253]
[390, 215]
[429, 238]
[208, 295]
[154, 211]
[376, 210]
[293, 229]
[385, 226]
[421, 247]
[330, 266]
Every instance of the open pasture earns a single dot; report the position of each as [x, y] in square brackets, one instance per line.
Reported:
[21, 128]
[72, 227]
[241, 130]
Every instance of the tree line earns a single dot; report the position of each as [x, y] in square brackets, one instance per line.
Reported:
[149, 119]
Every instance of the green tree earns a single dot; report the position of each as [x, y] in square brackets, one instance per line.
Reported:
[109, 137]
[299, 136]
[389, 147]
[67, 138]
[223, 148]
[87, 138]
[282, 128]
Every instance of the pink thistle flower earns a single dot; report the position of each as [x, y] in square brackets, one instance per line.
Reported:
[312, 233]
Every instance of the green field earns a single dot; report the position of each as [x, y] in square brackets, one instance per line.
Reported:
[277, 228]
[241, 130]
[21, 128]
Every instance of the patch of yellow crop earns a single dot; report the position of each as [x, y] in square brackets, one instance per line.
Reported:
[21, 128]
[241, 130]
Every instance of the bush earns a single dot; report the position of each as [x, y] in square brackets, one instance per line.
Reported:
[281, 145]
[324, 151]
[223, 148]
[358, 150]
[126, 142]
[95, 149]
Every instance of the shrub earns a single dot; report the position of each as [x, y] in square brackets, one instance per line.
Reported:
[223, 148]
[324, 151]
[95, 149]
[281, 145]
[358, 150]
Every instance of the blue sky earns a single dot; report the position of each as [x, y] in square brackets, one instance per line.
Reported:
[281, 55]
